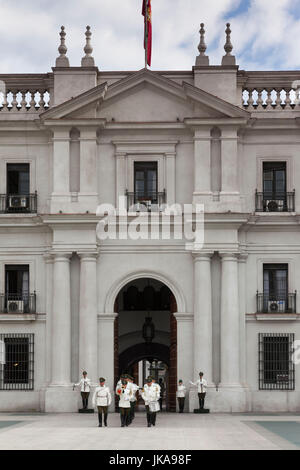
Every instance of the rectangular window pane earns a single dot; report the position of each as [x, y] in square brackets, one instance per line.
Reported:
[18, 178]
[18, 371]
[276, 368]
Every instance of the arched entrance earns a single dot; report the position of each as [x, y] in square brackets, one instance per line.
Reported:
[145, 335]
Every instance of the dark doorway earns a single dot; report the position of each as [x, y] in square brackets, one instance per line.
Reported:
[137, 302]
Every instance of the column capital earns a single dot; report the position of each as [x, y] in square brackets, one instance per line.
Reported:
[63, 256]
[48, 258]
[242, 257]
[88, 255]
[107, 316]
[202, 256]
[227, 256]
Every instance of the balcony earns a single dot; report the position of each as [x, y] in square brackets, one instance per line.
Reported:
[18, 203]
[275, 202]
[18, 303]
[150, 201]
[267, 303]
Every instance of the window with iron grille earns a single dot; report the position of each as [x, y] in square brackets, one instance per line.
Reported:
[276, 368]
[17, 372]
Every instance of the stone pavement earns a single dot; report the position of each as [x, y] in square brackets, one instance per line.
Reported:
[173, 431]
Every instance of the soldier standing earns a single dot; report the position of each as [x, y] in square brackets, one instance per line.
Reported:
[134, 389]
[202, 386]
[102, 399]
[181, 391]
[85, 388]
[151, 395]
[124, 395]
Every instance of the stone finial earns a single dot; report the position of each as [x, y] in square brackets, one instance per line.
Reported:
[62, 60]
[228, 59]
[88, 60]
[202, 59]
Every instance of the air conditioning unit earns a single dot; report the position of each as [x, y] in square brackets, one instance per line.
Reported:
[275, 306]
[16, 202]
[273, 205]
[15, 306]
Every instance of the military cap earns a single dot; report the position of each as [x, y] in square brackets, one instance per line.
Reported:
[149, 379]
[201, 373]
[101, 379]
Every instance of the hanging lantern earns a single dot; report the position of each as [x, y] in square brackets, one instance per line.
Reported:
[148, 330]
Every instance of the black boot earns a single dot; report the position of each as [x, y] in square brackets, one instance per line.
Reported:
[100, 420]
[123, 417]
[149, 420]
[105, 420]
[153, 419]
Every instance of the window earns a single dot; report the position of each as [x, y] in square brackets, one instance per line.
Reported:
[276, 368]
[274, 186]
[17, 297]
[276, 281]
[17, 373]
[18, 179]
[145, 181]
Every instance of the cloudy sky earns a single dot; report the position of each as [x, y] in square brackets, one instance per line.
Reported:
[265, 33]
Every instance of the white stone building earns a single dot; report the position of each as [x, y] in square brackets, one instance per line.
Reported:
[78, 137]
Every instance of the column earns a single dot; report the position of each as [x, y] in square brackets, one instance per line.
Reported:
[202, 164]
[88, 315]
[243, 338]
[185, 360]
[170, 178]
[229, 161]
[106, 348]
[88, 196]
[49, 300]
[202, 316]
[61, 321]
[230, 338]
[121, 179]
[61, 161]
[61, 197]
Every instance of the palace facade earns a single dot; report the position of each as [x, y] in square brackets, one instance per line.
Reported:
[79, 137]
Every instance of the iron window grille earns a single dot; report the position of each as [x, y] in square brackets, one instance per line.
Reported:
[276, 370]
[17, 373]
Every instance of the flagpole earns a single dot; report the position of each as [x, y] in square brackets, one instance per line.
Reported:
[146, 32]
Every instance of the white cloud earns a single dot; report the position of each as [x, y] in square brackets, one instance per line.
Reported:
[265, 36]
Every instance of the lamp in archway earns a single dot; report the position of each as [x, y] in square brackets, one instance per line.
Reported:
[148, 330]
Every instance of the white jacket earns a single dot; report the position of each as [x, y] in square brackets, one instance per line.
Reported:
[181, 391]
[151, 393]
[125, 395]
[201, 384]
[85, 385]
[102, 396]
[134, 387]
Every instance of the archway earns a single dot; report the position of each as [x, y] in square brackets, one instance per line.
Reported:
[142, 303]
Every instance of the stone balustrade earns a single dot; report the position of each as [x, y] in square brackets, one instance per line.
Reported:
[25, 92]
[270, 91]
[24, 100]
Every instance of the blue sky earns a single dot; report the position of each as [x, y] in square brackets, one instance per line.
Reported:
[265, 33]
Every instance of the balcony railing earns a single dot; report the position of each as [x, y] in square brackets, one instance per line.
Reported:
[18, 303]
[18, 203]
[275, 202]
[150, 201]
[267, 303]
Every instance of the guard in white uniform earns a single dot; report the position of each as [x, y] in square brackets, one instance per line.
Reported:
[102, 399]
[124, 393]
[151, 396]
[85, 388]
[202, 387]
[134, 388]
[181, 392]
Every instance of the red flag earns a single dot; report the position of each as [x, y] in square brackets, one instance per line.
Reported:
[146, 12]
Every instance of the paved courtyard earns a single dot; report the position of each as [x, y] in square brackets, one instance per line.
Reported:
[173, 431]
